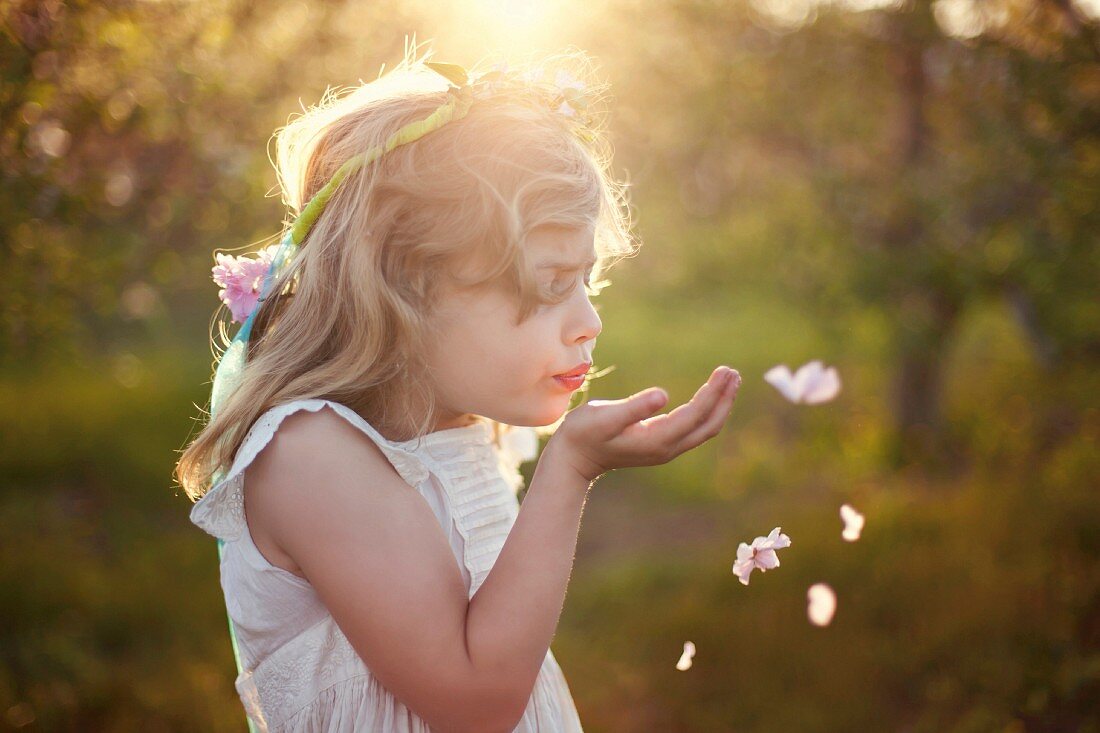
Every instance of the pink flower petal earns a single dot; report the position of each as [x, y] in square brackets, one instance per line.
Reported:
[766, 560]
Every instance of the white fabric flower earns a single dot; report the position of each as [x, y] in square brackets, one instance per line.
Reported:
[520, 443]
[760, 554]
[564, 80]
[685, 658]
[533, 75]
[853, 523]
[811, 384]
[570, 89]
[821, 604]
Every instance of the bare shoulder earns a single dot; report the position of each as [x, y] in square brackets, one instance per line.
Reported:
[315, 467]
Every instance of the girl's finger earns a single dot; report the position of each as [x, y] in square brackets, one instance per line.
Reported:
[631, 409]
[672, 427]
[713, 425]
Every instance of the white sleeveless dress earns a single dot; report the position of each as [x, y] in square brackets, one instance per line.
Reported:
[299, 672]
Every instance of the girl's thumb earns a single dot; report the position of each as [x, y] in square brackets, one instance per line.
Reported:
[644, 404]
[634, 408]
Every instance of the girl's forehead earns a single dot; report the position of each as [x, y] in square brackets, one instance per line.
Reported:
[561, 246]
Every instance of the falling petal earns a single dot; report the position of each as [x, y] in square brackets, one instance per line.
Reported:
[821, 604]
[853, 523]
[767, 559]
[824, 386]
[812, 384]
[780, 378]
[685, 658]
[807, 376]
[743, 568]
[776, 540]
[761, 554]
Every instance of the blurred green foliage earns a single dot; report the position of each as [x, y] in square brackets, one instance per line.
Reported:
[908, 192]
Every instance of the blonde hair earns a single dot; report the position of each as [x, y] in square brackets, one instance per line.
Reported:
[354, 308]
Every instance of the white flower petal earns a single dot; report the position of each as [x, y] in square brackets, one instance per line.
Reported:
[780, 378]
[686, 657]
[824, 388]
[761, 554]
[806, 376]
[743, 570]
[521, 442]
[853, 523]
[821, 604]
[766, 560]
[774, 540]
[812, 384]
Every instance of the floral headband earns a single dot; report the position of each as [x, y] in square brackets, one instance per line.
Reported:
[246, 282]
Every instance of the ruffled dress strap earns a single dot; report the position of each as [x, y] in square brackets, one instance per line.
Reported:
[220, 511]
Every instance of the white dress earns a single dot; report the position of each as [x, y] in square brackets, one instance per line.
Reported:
[299, 672]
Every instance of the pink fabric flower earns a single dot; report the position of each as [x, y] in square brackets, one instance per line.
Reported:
[760, 554]
[241, 279]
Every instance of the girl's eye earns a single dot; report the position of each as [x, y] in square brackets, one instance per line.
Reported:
[563, 283]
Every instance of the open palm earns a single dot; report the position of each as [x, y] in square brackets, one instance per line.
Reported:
[602, 435]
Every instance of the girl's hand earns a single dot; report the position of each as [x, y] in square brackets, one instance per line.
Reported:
[601, 435]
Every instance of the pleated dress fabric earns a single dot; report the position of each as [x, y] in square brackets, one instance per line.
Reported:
[299, 672]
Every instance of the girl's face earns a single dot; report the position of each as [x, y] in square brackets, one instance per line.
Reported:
[486, 365]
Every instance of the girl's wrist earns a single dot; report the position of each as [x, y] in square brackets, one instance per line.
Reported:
[576, 471]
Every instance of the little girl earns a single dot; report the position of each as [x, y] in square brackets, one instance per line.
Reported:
[430, 299]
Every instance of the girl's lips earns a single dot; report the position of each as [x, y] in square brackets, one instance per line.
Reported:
[571, 383]
[577, 371]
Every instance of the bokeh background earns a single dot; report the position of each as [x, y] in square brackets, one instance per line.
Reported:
[908, 191]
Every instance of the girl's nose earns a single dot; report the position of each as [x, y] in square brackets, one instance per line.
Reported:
[586, 324]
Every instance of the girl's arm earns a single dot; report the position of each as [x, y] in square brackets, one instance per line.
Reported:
[329, 500]
[514, 614]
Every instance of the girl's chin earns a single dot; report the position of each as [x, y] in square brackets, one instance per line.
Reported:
[550, 414]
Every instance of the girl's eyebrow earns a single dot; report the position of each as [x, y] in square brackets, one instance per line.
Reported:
[562, 265]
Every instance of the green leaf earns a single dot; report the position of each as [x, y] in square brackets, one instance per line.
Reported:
[452, 72]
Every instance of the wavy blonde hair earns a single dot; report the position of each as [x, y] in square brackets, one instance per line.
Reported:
[354, 312]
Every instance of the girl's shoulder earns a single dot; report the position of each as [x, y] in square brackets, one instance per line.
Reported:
[220, 512]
